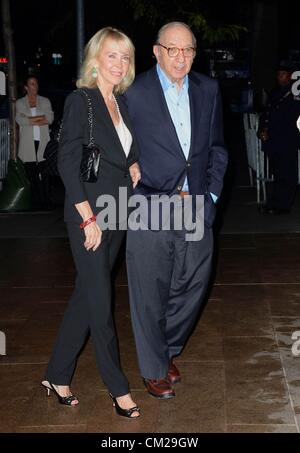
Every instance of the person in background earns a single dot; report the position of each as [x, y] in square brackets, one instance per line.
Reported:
[281, 141]
[34, 115]
[106, 72]
[177, 118]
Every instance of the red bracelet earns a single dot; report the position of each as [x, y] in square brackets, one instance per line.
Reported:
[88, 221]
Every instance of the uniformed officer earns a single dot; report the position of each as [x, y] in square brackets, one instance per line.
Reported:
[281, 141]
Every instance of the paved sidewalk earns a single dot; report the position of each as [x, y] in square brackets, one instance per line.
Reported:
[239, 371]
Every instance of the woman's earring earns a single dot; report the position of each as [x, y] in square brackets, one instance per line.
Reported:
[94, 72]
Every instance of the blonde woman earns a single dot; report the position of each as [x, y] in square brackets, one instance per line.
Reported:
[107, 71]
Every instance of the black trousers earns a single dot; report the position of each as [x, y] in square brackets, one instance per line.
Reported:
[39, 181]
[284, 167]
[90, 311]
[167, 279]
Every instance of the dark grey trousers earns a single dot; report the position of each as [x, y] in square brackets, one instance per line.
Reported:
[167, 278]
[90, 311]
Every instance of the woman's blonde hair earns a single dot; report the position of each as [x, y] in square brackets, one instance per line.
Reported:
[91, 51]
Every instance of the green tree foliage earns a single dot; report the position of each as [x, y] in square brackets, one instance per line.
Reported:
[193, 12]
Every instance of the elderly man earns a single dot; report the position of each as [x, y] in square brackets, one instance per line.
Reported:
[177, 119]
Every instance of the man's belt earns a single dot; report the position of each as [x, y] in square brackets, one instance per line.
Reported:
[183, 194]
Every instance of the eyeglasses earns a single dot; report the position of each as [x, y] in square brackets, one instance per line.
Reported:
[174, 51]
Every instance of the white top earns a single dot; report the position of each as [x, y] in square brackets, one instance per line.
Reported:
[123, 133]
[36, 129]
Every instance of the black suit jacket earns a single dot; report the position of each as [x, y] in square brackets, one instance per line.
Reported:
[113, 162]
[280, 117]
[163, 163]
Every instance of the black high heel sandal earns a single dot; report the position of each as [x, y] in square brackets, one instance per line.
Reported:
[66, 400]
[124, 412]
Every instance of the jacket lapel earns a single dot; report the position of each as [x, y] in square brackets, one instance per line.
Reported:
[101, 111]
[126, 120]
[104, 131]
[38, 104]
[196, 97]
[158, 100]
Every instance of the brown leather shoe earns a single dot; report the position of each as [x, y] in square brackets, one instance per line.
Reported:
[173, 374]
[159, 388]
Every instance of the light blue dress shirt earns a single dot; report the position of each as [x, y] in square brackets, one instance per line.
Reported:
[178, 103]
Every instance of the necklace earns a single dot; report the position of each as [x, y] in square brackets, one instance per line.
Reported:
[117, 107]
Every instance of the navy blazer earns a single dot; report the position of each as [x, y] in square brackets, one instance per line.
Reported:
[163, 163]
[114, 165]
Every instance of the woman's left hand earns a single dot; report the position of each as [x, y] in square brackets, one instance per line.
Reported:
[135, 173]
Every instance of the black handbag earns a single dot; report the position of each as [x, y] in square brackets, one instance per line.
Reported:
[90, 162]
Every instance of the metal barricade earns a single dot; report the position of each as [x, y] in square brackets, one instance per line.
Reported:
[257, 160]
[4, 147]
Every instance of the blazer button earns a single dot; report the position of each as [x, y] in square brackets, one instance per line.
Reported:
[188, 164]
[179, 188]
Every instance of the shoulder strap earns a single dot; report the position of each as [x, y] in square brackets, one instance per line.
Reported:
[90, 116]
[90, 119]
[59, 131]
